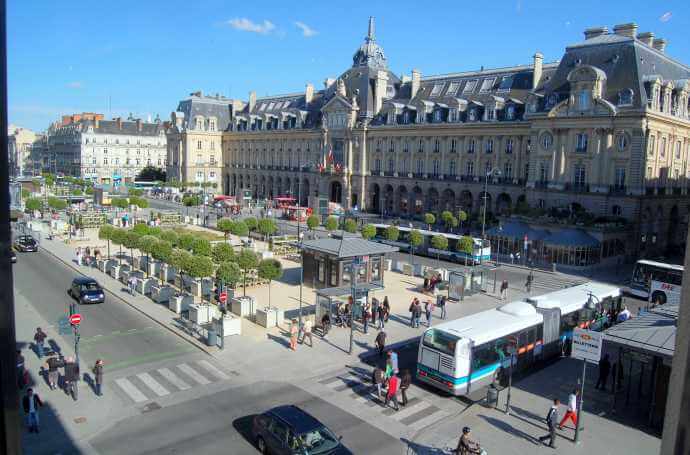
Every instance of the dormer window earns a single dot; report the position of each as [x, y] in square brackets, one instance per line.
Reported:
[438, 115]
[436, 91]
[199, 123]
[469, 86]
[486, 85]
[452, 115]
[510, 112]
[583, 100]
[452, 88]
[551, 101]
[625, 97]
[490, 114]
[473, 115]
[581, 145]
[406, 117]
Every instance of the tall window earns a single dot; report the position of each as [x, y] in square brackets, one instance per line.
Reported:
[489, 146]
[509, 146]
[420, 166]
[421, 145]
[453, 145]
[377, 165]
[437, 145]
[510, 112]
[391, 165]
[583, 100]
[198, 145]
[581, 142]
[212, 160]
[622, 142]
[199, 123]
[469, 168]
[406, 165]
[579, 175]
[542, 173]
[471, 146]
[406, 146]
[620, 177]
[662, 147]
[678, 150]
[391, 146]
[378, 145]
[508, 170]
[451, 168]
[488, 167]
[212, 125]
[652, 143]
[436, 167]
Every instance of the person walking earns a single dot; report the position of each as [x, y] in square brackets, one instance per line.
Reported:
[294, 330]
[374, 309]
[428, 311]
[306, 333]
[504, 289]
[378, 379]
[417, 313]
[551, 419]
[98, 374]
[20, 370]
[381, 342]
[31, 402]
[382, 317]
[442, 304]
[392, 393]
[411, 310]
[366, 314]
[71, 377]
[39, 339]
[387, 308]
[325, 324]
[604, 370]
[53, 363]
[393, 358]
[405, 381]
[528, 283]
[571, 413]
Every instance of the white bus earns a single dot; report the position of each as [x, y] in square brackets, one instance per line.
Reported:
[657, 281]
[462, 355]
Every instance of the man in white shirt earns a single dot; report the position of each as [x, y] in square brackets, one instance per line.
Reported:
[571, 413]
[307, 333]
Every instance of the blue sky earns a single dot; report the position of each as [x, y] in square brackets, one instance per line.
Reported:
[146, 55]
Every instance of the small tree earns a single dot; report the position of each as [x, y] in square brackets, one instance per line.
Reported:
[416, 239]
[267, 227]
[141, 229]
[105, 233]
[462, 217]
[369, 232]
[131, 241]
[170, 237]
[178, 258]
[392, 233]
[186, 241]
[225, 225]
[229, 273]
[33, 203]
[439, 242]
[222, 252]
[57, 203]
[429, 219]
[77, 192]
[119, 202]
[465, 245]
[119, 237]
[155, 231]
[251, 223]
[201, 247]
[350, 225]
[139, 202]
[331, 223]
[199, 267]
[161, 251]
[190, 201]
[247, 260]
[239, 228]
[135, 192]
[270, 269]
[146, 244]
[446, 217]
[312, 222]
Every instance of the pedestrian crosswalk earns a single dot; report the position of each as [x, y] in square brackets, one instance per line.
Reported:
[149, 385]
[418, 413]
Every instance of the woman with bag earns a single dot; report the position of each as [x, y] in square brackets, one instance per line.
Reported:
[98, 373]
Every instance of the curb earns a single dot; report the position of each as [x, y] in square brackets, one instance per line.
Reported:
[165, 326]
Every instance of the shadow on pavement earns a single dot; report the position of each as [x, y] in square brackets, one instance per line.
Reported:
[421, 449]
[279, 339]
[508, 428]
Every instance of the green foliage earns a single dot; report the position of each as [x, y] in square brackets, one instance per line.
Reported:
[222, 252]
[247, 260]
[77, 192]
[416, 238]
[251, 223]
[185, 241]
[229, 273]
[139, 202]
[225, 225]
[267, 227]
[106, 232]
[89, 191]
[34, 203]
[56, 203]
[131, 239]
[239, 228]
[429, 218]
[465, 245]
[312, 222]
[135, 192]
[169, 236]
[201, 247]
[49, 179]
[118, 236]
[151, 174]
[161, 250]
[199, 266]
[392, 233]
[190, 201]
[155, 231]
[439, 242]
[350, 226]
[462, 216]
[369, 231]
[270, 269]
[331, 223]
[25, 193]
[141, 229]
[146, 243]
[179, 258]
[446, 215]
[119, 202]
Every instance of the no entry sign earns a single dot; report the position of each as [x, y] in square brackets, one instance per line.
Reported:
[75, 319]
[223, 297]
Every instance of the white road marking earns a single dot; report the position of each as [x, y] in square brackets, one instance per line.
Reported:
[174, 379]
[193, 374]
[153, 384]
[216, 372]
[134, 393]
[428, 420]
[409, 409]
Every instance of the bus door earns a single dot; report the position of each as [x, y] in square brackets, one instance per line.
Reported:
[552, 329]
[523, 357]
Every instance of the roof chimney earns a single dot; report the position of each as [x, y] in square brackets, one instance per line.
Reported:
[646, 38]
[538, 64]
[252, 100]
[628, 30]
[97, 121]
[595, 31]
[416, 82]
[328, 82]
[139, 125]
[309, 93]
[660, 44]
[119, 123]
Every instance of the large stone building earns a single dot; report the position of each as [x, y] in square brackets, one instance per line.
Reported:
[20, 143]
[604, 131]
[105, 151]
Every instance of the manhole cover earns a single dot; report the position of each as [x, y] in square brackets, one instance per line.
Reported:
[80, 420]
[153, 406]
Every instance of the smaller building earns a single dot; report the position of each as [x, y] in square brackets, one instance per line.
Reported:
[328, 263]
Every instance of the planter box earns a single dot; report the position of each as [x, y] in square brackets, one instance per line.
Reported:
[167, 273]
[119, 271]
[387, 265]
[269, 317]
[202, 288]
[141, 262]
[407, 269]
[243, 306]
[180, 303]
[108, 265]
[418, 270]
[228, 325]
[127, 274]
[143, 285]
[154, 268]
[162, 294]
[202, 314]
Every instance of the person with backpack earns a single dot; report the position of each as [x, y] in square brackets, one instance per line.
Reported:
[98, 373]
[377, 378]
[381, 342]
[428, 311]
[551, 421]
[392, 393]
[417, 313]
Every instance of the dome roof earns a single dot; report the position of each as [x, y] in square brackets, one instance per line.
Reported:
[369, 53]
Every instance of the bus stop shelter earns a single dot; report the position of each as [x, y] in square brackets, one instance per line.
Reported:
[468, 280]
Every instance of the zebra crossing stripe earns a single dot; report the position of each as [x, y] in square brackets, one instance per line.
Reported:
[209, 367]
[152, 384]
[131, 391]
[189, 371]
[428, 420]
[173, 379]
[408, 410]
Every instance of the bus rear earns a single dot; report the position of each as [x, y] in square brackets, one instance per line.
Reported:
[443, 361]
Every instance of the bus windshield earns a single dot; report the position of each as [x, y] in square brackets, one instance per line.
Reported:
[645, 273]
[441, 341]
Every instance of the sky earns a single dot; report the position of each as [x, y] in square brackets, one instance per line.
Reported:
[143, 57]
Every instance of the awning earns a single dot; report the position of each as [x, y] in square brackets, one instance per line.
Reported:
[347, 290]
[572, 238]
[652, 333]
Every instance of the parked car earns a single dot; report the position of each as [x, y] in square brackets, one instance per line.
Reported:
[26, 243]
[288, 430]
[86, 290]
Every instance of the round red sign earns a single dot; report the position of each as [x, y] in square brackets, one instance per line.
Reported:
[223, 297]
[75, 319]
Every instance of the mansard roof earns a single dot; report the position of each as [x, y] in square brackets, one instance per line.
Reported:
[198, 104]
[123, 127]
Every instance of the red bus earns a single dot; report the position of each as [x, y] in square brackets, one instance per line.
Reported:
[282, 202]
[293, 211]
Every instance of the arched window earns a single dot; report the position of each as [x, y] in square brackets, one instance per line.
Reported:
[625, 97]
[583, 100]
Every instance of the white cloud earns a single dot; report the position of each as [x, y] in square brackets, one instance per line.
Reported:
[75, 84]
[666, 16]
[307, 31]
[246, 25]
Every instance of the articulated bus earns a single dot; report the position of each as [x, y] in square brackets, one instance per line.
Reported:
[657, 281]
[463, 355]
[478, 255]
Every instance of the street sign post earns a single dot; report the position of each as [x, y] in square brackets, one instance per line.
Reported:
[223, 297]
[75, 319]
[587, 347]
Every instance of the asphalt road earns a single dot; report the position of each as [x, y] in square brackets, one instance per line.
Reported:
[112, 330]
[221, 424]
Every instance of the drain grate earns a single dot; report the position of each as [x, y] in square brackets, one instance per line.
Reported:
[153, 406]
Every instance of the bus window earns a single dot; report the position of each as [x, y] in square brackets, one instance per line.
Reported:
[441, 341]
[485, 355]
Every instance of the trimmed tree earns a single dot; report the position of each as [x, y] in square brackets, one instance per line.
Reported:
[222, 252]
[239, 228]
[33, 203]
[429, 219]
[462, 217]
[131, 241]
[141, 229]
[251, 223]
[465, 245]
[146, 244]
[161, 251]
[199, 267]
[118, 237]
[186, 241]
[416, 239]
[229, 273]
[312, 222]
[201, 247]
[350, 225]
[267, 227]
[369, 232]
[247, 260]
[446, 217]
[392, 233]
[57, 203]
[225, 225]
[270, 269]
[170, 237]
[155, 231]
[119, 202]
[331, 223]
[105, 233]
[439, 242]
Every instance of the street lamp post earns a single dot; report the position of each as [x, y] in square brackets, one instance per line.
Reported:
[299, 242]
[490, 173]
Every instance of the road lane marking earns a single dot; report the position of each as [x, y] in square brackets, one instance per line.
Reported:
[216, 372]
[189, 371]
[134, 393]
[408, 410]
[173, 379]
[153, 384]
[428, 420]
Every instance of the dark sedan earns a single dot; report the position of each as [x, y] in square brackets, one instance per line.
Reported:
[86, 290]
[288, 430]
[26, 243]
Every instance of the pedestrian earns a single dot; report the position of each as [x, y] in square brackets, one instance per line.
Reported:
[53, 363]
[382, 317]
[374, 309]
[306, 333]
[624, 315]
[512, 258]
[78, 255]
[428, 311]
[377, 378]
[39, 339]
[528, 283]
[466, 445]
[417, 313]
[551, 419]
[504, 289]
[31, 402]
[325, 324]
[393, 357]
[405, 381]
[571, 413]
[20, 370]
[71, 377]
[381, 342]
[98, 374]
[366, 314]
[411, 310]
[604, 370]
[87, 256]
[392, 393]
[294, 330]
[442, 305]
[387, 308]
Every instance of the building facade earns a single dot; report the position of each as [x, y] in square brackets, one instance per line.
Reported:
[20, 143]
[105, 151]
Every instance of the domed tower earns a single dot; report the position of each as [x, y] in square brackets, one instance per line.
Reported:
[370, 54]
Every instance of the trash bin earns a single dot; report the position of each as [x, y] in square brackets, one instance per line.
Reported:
[491, 396]
[553, 267]
[211, 337]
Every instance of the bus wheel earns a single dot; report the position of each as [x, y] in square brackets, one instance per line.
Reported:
[659, 298]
